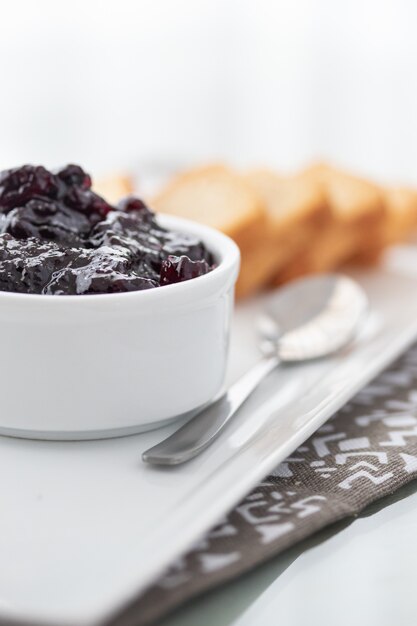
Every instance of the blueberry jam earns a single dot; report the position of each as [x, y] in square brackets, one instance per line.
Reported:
[59, 237]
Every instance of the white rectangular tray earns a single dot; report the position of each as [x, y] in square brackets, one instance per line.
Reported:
[85, 526]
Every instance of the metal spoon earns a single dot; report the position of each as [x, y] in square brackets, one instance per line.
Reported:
[308, 319]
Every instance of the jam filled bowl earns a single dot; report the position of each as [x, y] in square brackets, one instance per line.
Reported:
[87, 366]
[107, 358]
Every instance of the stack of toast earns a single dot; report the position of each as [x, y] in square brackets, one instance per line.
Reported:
[286, 226]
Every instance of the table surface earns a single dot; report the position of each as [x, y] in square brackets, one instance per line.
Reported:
[361, 571]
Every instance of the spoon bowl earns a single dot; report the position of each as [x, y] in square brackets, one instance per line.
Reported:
[312, 318]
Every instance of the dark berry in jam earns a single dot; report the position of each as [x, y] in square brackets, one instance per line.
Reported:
[176, 269]
[45, 220]
[58, 237]
[21, 184]
[74, 175]
[133, 204]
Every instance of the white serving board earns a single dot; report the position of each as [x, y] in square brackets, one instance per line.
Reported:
[85, 526]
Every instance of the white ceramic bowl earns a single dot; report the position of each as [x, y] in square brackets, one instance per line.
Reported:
[78, 367]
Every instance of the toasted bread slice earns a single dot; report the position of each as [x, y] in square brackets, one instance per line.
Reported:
[399, 224]
[114, 187]
[298, 212]
[326, 251]
[353, 200]
[291, 201]
[216, 196]
[401, 203]
[357, 218]
[257, 265]
[296, 209]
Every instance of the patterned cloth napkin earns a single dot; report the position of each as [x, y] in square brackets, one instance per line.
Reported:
[366, 451]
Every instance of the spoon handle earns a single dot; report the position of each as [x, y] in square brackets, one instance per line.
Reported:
[198, 433]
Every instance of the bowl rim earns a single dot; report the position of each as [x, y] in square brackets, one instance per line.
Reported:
[225, 273]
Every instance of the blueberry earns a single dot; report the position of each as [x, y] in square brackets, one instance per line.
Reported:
[74, 175]
[177, 269]
[19, 185]
[131, 204]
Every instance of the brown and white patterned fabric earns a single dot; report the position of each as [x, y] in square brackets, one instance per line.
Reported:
[366, 451]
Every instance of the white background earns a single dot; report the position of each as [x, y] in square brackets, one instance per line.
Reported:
[122, 83]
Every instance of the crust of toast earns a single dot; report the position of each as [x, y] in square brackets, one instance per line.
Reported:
[216, 196]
